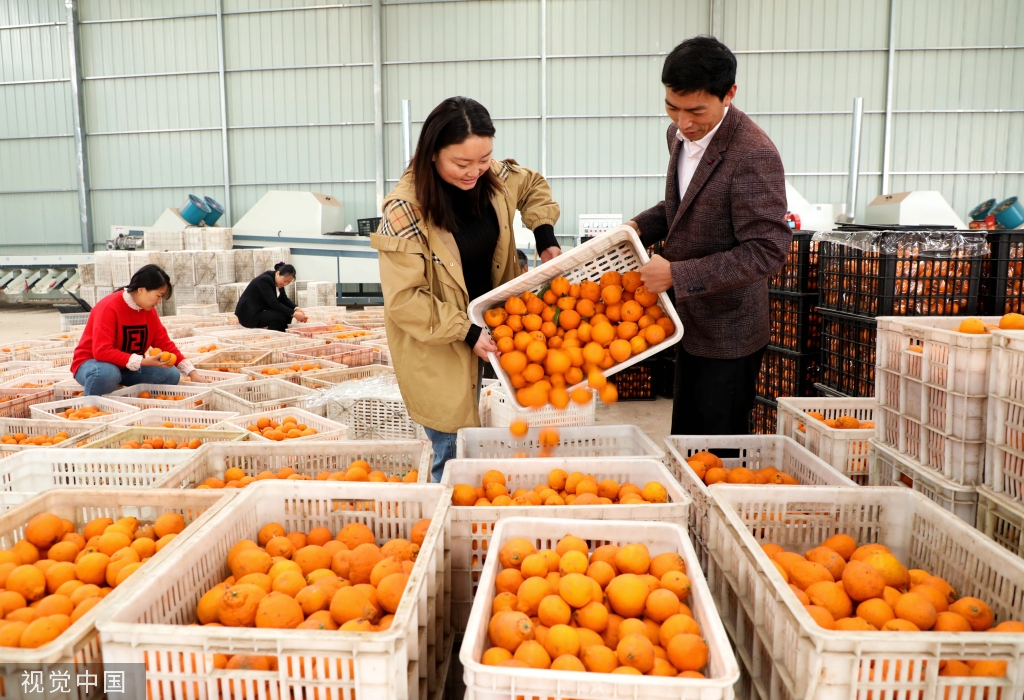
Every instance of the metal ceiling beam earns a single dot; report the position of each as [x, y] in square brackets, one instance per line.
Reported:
[78, 123]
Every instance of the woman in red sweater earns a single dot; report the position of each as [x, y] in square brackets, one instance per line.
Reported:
[122, 327]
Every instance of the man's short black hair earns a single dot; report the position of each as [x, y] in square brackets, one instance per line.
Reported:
[523, 260]
[700, 64]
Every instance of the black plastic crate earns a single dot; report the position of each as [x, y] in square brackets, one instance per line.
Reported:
[368, 227]
[908, 283]
[848, 353]
[800, 272]
[635, 383]
[763, 417]
[1002, 272]
[664, 376]
[785, 373]
[795, 322]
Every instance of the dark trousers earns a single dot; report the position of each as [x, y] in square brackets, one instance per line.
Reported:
[714, 397]
[267, 318]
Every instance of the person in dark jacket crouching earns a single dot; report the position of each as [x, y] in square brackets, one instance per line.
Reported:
[264, 303]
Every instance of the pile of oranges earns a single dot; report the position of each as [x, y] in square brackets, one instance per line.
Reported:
[160, 397]
[846, 587]
[288, 429]
[313, 581]
[573, 331]
[81, 413]
[975, 326]
[709, 469]
[617, 610]
[841, 423]
[358, 470]
[55, 575]
[23, 347]
[348, 335]
[207, 348]
[560, 489]
[32, 385]
[42, 440]
[292, 369]
[159, 443]
[164, 356]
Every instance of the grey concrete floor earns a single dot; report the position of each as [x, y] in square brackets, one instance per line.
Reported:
[652, 417]
[26, 322]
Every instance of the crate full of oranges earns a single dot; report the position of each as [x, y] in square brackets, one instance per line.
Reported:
[575, 319]
[290, 424]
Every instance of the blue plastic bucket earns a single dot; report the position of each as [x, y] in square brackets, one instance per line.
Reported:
[1009, 213]
[217, 211]
[194, 210]
[981, 211]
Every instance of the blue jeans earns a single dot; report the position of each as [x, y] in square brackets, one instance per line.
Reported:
[101, 378]
[444, 449]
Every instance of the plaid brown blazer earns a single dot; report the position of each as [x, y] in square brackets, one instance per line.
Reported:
[724, 239]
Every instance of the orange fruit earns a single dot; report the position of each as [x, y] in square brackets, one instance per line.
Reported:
[509, 630]
[876, 611]
[627, 595]
[832, 598]
[598, 658]
[916, 609]
[821, 616]
[687, 652]
[620, 350]
[862, 581]
[977, 613]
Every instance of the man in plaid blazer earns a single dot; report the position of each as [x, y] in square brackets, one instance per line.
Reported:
[722, 221]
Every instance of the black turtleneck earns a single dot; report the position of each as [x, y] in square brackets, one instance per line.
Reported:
[476, 234]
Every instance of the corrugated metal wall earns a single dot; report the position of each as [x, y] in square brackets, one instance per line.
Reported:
[572, 84]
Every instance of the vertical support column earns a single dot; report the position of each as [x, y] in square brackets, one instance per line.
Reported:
[543, 87]
[78, 119]
[851, 195]
[378, 100]
[406, 134]
[891, 67]
[716, 19]
[224, 114]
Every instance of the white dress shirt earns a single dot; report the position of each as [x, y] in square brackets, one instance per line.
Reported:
[691, 155]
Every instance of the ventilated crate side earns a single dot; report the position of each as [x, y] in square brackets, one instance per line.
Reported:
[184, 268]
[819, 663]
[87, 274]
[844, 449]
[848, 353]
[267, 394]
[205, 263]
[244, 267]
[763, 417]
[120, 268]
[217, 238]
[372, 665]
[496, 411]
[325, 430]
[579, 441]
[888, 468]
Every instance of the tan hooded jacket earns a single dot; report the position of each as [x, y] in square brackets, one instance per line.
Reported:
[425, 296]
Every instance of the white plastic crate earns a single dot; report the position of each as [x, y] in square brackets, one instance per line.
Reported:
[80, 644]
[184, 272]
[910, 438]
[958, 415]
[32, 471]
[242, 336]
[259, 395]
[120, 268]
[1004, 470]
[892, 469]
[755, 452]
[205, 263]
[195, 397]
[114, 409]
[17, 368]
[149, 626]
[244, 268]
[67, 339]
[197, 309]
[346, 354]
[87, 292]
[497, 411]
[1006, 375]
[324, 379]
[508, 683]
[44, 379]
[1002, 519]
[887, 427]
[392, 457]
[962, 461]
[157, 417]
[17, 403]
[22, 349]
[619, 250]
[31, 428]
[218, 378]
[327, 430]
[67, 389]
[287, 373]
[217, 238]
[887, 388]
[190, 346]
[87, 273]
[113, 437]
[285, 341]
[67, 321]
[234, 360]
[472, 526]
[845, 450]
[578, 441]
[56, 356]
[912, 398]
[825, 664]
[229, 294]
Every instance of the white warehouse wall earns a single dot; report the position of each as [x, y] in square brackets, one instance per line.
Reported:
[572, 84]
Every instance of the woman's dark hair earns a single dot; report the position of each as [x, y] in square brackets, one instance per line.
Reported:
[700, 64]
[286, 269]
[452, 122]
[151, 277]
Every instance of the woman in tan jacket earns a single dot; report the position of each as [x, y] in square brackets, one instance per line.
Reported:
[445, 239]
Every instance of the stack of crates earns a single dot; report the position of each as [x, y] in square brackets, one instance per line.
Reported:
[932, 391]
[791, 362]
[857, 286]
